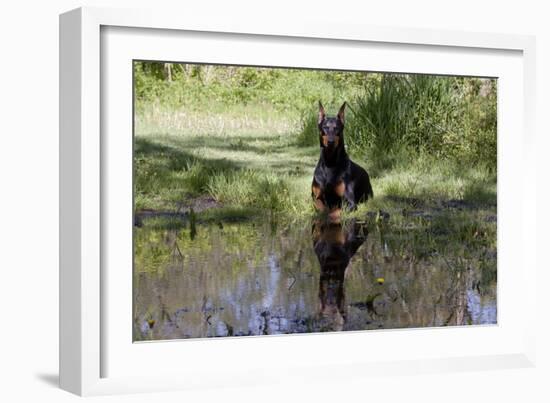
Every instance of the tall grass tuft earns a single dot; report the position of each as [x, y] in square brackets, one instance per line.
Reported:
[309, 131]
[401, 116]
[254, 189]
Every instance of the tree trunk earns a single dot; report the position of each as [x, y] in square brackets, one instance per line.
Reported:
[168, 71]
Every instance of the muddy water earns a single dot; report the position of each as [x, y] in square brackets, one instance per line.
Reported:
[216, 280]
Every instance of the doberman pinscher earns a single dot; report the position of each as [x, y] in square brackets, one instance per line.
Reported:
[336, 176]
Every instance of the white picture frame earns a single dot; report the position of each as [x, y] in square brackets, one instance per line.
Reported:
[91, 343]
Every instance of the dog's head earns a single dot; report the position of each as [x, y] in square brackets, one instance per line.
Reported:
[331, 129]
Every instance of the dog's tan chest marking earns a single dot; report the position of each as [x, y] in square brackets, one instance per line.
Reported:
[340, 188]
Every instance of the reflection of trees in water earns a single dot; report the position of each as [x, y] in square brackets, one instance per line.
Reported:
[247, 279]
[457, 297]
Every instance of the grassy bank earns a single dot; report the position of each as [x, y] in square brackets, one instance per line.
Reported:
[243, 160]
[246, 163]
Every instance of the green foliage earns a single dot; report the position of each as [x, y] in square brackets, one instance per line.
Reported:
[410, 115]
[390, 116]
[198, 86]
[248, 138]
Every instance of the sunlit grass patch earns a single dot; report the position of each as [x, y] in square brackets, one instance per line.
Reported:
[220, 122]
[433, 181]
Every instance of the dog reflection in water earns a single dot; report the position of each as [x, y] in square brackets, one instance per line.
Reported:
[335, 244]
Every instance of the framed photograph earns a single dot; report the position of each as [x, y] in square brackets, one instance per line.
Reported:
[320, 196]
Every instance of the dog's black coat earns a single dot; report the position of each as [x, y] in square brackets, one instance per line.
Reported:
[336, 176]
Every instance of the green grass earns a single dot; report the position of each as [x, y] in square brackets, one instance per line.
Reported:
[256, 163]
[397, 117]
[216, 88]
[432, 181]
[239, 159]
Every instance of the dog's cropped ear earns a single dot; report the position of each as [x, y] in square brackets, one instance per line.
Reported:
[341, 113]
[321, 113]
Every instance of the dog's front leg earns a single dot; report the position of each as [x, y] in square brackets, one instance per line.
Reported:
[349, 196]
[317, 194]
